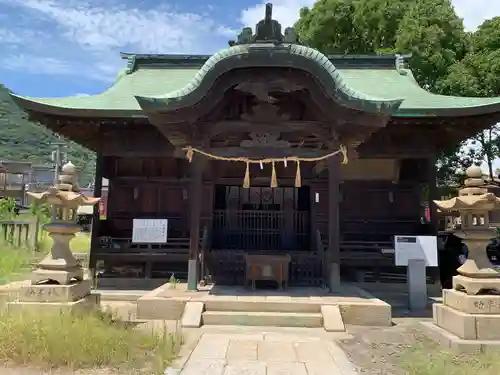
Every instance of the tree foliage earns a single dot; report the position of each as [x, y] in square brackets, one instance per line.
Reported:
[23, 140]
[445, 59]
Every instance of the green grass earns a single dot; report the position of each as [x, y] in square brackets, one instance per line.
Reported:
[426, 358]
[14, 263]
[76, 341]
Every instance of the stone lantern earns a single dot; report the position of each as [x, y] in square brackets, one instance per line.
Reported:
[60, 266]
[470, 312]
[474, 204]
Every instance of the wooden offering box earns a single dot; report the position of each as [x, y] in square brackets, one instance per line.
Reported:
[267, 267]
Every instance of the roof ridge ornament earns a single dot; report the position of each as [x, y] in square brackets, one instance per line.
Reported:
[267, 30]
[401, 66]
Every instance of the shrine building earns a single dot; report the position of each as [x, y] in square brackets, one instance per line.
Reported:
[267, 147]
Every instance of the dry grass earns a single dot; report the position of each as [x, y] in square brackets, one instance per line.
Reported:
[425, 358]
[79, 341]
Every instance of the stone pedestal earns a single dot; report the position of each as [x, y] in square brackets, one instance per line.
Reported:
[75, 296]
[469, 317]
[466, 323]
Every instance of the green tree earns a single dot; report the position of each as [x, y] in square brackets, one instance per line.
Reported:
[428, 29]
[478, 74]
[435, 36]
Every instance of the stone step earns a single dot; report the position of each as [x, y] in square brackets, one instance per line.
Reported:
[262, 306]
[120, 295]
[273, 319]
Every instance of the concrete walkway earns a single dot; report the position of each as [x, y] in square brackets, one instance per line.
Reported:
[258, 353]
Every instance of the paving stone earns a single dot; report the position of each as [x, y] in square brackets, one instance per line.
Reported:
[267, 353]
[283, 337]
[286, 368]
[313, 352]
[205, 367]
[211, 347]
[242, 350]
[276, 351]
[245, 368]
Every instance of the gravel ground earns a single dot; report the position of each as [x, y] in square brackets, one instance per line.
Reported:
[377, 351]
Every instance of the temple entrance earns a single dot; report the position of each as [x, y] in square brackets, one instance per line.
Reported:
[261, 218]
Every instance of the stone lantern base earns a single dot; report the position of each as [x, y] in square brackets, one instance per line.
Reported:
[465, 322]
[475, 285]
[76, 296]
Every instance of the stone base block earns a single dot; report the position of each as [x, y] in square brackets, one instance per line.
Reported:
[454, 343]
[473, 286]
[63, 277]
[191, 318]
[373, 313]
[151, 306]
[88, 303]
[471, 304]
[54, 292]
[332, 318]
[467, 326]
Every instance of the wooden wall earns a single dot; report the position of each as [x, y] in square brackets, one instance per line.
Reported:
[159, 187]
[150, 188]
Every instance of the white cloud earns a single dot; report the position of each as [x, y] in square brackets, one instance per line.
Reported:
[101, 28]
[284, 11]
[90, 34]
[37, 64]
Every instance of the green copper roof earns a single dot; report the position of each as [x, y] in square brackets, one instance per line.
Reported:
[363, 78]
[270, 55]
[163, 82]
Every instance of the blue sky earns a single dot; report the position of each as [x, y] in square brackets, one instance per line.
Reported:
[51, 48]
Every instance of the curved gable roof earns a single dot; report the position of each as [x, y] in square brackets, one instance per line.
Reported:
[364, 77]
[271, 55]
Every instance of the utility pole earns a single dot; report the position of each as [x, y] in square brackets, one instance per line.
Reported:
[57, 158]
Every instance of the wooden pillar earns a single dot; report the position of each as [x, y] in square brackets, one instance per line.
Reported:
[333, 253]
[94, 239]
[195, 203]
[432, 194]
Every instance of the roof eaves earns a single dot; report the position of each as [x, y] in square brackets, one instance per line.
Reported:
[464, 111]
[37, 106]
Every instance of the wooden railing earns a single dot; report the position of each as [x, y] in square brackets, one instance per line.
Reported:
[261, 230]
[20, 233]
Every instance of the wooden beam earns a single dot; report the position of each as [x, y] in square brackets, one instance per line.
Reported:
[265, 152]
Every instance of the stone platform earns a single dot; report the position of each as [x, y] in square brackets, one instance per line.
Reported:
[293, 307]
[75, 296]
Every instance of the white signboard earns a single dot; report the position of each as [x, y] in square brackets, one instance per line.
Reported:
[149, 231]
[416, 247]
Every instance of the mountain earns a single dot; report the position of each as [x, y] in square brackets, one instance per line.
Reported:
[23, 140]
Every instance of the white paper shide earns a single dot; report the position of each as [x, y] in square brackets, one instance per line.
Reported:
[150, 231]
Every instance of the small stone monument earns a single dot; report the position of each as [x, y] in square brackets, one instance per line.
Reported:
[59, 280]
[470, 312]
